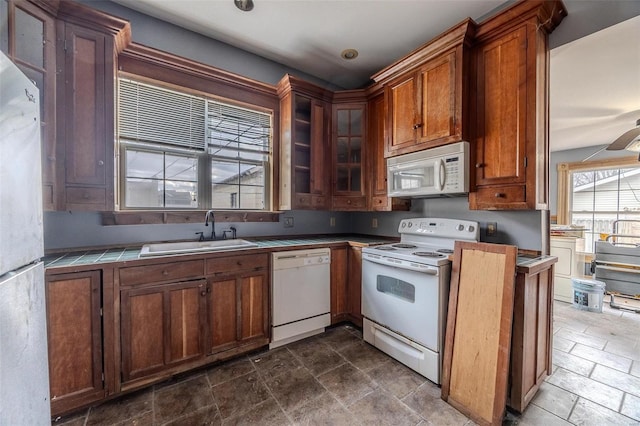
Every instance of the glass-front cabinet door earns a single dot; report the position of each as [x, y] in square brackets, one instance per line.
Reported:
[348, 156]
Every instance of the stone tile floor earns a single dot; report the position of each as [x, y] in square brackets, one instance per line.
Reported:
[337, 379]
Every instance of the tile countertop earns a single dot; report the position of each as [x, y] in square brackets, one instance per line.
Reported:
[89, 257]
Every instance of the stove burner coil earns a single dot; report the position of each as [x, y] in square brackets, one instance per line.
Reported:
[385, 248]
[445, 251]
[427, 254]
[404, 245]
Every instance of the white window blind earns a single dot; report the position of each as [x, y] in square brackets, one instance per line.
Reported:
[157, 115]
[237, 132]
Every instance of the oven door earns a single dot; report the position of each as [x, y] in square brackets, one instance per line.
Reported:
[410, 300]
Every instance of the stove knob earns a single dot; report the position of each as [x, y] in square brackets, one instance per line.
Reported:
[472, 228]
[460, 227]
[403, 224]
[410, 224]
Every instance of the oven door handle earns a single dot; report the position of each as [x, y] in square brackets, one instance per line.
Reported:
[400, 264]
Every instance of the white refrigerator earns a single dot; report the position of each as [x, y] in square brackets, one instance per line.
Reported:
[24, 371]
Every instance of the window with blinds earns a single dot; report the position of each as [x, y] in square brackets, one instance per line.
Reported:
[184, 151]
[602, 196]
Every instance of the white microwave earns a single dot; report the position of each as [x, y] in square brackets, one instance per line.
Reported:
[434, 172]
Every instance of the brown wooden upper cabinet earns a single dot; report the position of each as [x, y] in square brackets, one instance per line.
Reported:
[31, 32]
[425, 94]
[304, 145]
[349, 148]
[511, 106]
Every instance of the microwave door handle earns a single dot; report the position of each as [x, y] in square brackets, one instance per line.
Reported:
[442, 174]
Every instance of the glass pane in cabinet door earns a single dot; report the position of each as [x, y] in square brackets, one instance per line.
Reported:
[356, 122]
[4, 27]
[29, 36]
[302, 181]
[356, 150]
[342, 154]
[342, 179]
[343, 122]
[355, 179]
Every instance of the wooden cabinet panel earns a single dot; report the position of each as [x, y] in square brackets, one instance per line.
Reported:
[74, 327]
[172, 271]
[425, 107]
[230, 264]
[238, 307]
[502, 96]
[162, 325]
[254, 299]
[531, 343]
[376, 163]
[355, 285]
[339, 284]
[31, 45]
[304, 145]
[223, 314]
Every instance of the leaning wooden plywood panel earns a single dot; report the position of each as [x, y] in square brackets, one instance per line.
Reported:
[478, 335]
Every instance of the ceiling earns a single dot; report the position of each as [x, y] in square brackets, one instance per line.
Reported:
[595, 88]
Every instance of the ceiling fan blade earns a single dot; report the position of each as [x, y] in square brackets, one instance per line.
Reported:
[624, 140]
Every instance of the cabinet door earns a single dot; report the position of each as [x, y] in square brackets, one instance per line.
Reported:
[501, 120]
[348, 157]
[376, 163]
[86, 109]
[402, 114]
[31, 45]
[162, 325]
[339, 285]
[439, 115]
[238, 309]
[74, 327]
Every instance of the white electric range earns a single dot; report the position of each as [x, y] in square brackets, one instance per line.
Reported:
[405, 291]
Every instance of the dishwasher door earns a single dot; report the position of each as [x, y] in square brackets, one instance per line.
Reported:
[300, 294]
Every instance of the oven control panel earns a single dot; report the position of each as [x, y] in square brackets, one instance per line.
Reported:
[456, 229]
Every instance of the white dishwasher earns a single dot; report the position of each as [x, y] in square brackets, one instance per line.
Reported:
[300, 301]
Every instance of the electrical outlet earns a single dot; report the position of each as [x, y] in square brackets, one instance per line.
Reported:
[374, 222]
[332, 221]
[288, 222]
[492, 229]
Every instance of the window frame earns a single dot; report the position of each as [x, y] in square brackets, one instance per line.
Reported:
[565, 182]
[145, 63]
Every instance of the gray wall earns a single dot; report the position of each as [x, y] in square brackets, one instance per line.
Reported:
[520, 228]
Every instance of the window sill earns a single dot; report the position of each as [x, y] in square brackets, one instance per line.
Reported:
[151, 217]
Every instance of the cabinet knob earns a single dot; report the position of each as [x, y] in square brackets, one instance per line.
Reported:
[499, 194]
[479, 165]
[100, 163]
[348, 201]
[203, 293]
[85, 195]
[165, 273]
[417, 126]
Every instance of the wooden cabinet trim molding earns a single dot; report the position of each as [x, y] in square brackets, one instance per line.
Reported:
[461, 33]
[549, 14]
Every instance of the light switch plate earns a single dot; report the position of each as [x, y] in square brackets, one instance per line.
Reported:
[288, 222]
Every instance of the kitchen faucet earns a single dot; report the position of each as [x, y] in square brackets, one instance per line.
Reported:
[207, 217]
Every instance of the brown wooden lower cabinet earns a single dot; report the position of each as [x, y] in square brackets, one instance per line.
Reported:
[161, 326]
[238, 310]
[532, 330]
[74, 327]
[346, 286]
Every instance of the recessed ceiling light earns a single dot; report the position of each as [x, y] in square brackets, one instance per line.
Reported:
[244, 5]
[349, 54]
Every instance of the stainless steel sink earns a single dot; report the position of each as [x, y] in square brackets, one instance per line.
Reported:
[163, 249]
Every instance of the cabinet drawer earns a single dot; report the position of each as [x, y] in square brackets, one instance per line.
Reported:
[501, 195]
[223, 265]
[86, 195]
[349, 203]
[310, 201]
[161, 272]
